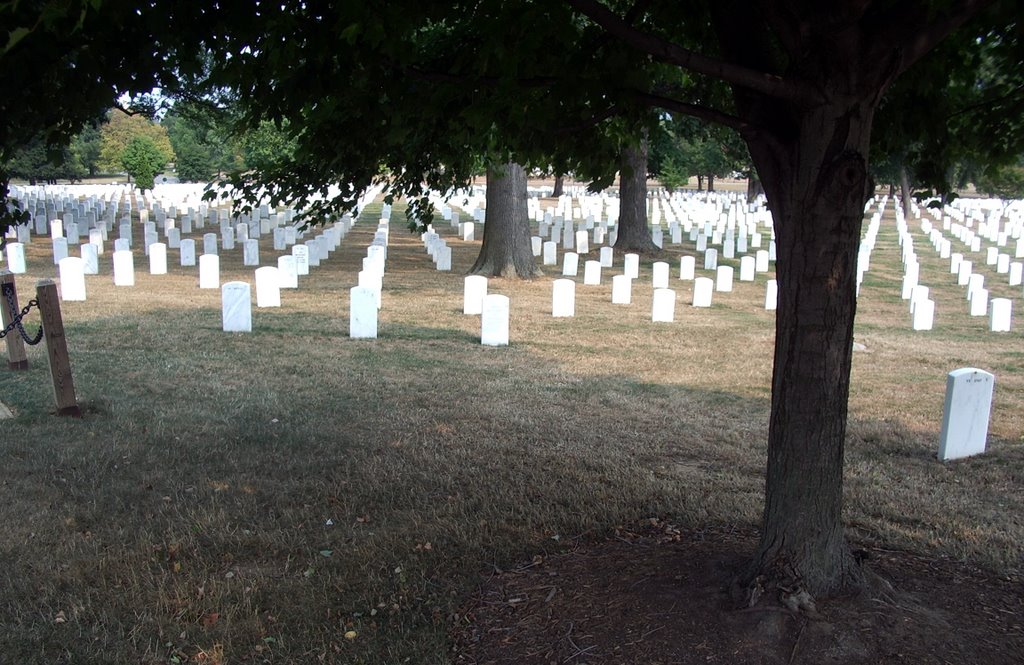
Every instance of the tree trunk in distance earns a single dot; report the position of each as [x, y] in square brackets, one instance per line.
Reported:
[905, 193]
[711, 182]
[817, 184]
[633, 235]
[559, 186]
[506, 250]
[700, 183]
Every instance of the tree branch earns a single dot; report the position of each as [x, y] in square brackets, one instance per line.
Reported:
[673, 54]
[742, 126]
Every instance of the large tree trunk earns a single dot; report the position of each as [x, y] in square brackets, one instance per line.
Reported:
[754, 187]
[633, 234]
[559, 185]
[506, 250]
[905, 193]
[700, 183]
[711, 182]
[816, 182]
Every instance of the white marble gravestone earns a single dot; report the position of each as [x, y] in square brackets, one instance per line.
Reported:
[362, 318]
[96, 239]
[582, 242]
[703, 287]
[550, 252]
[473, 292]
[236, 307]
[209, 243]
[687, 267]
[570, 264]
[287, 271]
[607, 257]
[923, 316]
[467, 230]
[536, 245]
[663, 306]
[301, 254]
[723, 281]
[209, 271]
[748, 266]
[622, 289]
[563, 298]
[158, 259]
[979, 302]
[16, 257]
[1002, 311]
[72, 278]
[90, 259]
[1016, 273]
[124, 268]
[173, 238]
[268, 287]
[251, 252]
[592, 273]
[761, 262]
[631, 266]
[187, 252]
[660, 271]
[60, 250]
[122, 245]
[966, 413]
[771, 295]
[494, 320]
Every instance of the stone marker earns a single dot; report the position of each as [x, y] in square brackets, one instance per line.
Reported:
[122, 245]
[494, 320]
[924, 314]
[1002, 310]
[582, 242]
[124, 268]
[236, 307]
[362, 318]
[563, 298]
[966, 413]
[622, 290]
[72, 278]
[761, 261]
[723, 280]
[158, 259]
[536, 245]
[60, 250]
[301, 254]
[286, 270]
[703, 287]
[474, 290]
[660, 275]
[251, 252]
[550, 251]
[663, 306]
[209, 271]
[592, 273]
[90, 258]
[711, 259]
[748, 267]
[16, 257]
[631, 266]
[607, 257]
[771, 296]
[979, 302]
[209, 243]
[570, 264]
[187, 252]
[268, 287]
[687, 267]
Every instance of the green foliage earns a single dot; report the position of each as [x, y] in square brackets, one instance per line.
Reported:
[35, 163]
[121, 129]
[142, 160]
[266, 146]
[87, 146]
[1005, 182]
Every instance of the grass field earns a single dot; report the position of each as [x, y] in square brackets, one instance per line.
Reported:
[292, 495]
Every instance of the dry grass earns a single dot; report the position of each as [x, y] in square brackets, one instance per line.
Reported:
[256, 497]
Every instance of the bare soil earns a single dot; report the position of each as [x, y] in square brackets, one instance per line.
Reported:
[661, 596]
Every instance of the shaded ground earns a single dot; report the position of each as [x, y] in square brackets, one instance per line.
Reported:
[661, 597]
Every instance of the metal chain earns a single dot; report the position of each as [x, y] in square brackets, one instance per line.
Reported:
[16, 323]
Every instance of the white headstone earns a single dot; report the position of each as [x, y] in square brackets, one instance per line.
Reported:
[748, 266]
[592, 273]
[494, 320]
[631, 266]
[536, 245]
[570, 264]
[72, 278]
[924, 314]
[979, 302]
[723, 280]
[268, 287]
[687, 267]
[607, 257]
[60, 250]
[286, 270]
[251, 252]
[761, 261]
[301, 254]
[660, 275]
[622, 289]
[122, 245]
[468, 230]
[209, 243]
[663, 306]
[563, 298]
[582, 242]
[362, 319]
[771, 296]
[1016, 273]
[550, 251]
[16, 257]
[711, 259]
[236, 307]
[703, 287]
[966, 413]
[209, 271]
[90, 258]
[474, 290]
[187, 251]
[96, 238]
[124, 268]
[1002, 311]
[158, 259]
[173, 238]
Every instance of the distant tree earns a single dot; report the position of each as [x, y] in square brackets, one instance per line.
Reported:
[119, 131]
[142, 160]
[267, 145]
[87, 146]
[1004, 182]
[36, 163]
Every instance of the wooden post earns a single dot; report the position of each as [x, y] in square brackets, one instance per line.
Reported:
[16, 356]
[57, 349]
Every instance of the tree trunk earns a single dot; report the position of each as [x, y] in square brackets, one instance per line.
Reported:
[817, 183]
[754, 187]
[700, 183]
[559, 186]
[506, 250]
[711, 182]
[905, 193]
[633, 234]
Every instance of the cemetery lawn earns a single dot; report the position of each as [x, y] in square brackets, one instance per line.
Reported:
[581, 496]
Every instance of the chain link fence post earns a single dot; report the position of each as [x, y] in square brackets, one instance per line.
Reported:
[57, 349]
[17, 358]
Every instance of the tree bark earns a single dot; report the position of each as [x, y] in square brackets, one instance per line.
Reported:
[506, 250]
[754, 187]
[700, 183]
[817, 183]
[559, 186]
[905, 193]
[633, 234]
[711, 182]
